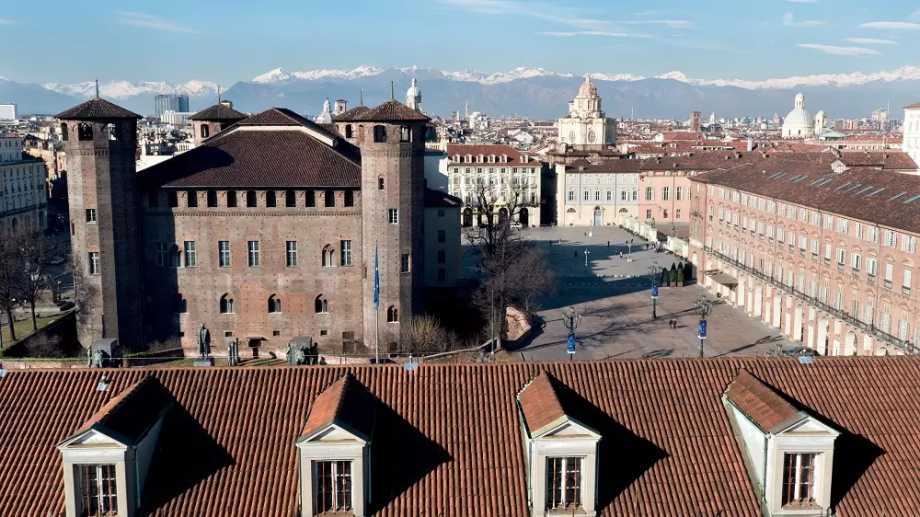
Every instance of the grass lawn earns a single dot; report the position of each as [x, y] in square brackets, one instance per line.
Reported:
[24, 328]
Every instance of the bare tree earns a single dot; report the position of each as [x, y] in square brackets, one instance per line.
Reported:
[427, 336]
[513, 271]
[9, 266]
[33, 253]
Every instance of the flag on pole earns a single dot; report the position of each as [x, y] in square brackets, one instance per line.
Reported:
[376, 278]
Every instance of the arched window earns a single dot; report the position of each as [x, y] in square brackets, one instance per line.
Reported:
[64, 132]
[392, 314]
[405, 134]
[348, 131]
[84, 131]
[328, 256]
[205, 131]
[274, 304]
[380, 134]
[111, 131]
[181, 304]
[226, 304]
[380, 183]
[321, 305]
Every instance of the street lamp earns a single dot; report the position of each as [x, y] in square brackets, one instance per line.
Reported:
[570, 319]
[653, 269]
[704, 308]
[587, 252]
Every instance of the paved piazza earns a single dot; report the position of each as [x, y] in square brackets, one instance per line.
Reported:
[612, 297]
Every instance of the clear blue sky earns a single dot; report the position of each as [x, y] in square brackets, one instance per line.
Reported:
[229, 40]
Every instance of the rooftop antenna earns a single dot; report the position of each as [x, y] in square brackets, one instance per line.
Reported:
[97, 88]
[218, 94]
[392, 90]
[362, 97]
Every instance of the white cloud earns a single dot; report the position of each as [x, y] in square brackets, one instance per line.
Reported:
[673, 24]
[872, 41]
[606, 34]
[6, 21]
[802, 1]
[893, 26]
[789, 20]
[540, 10]
[149, 21]
[835, 50]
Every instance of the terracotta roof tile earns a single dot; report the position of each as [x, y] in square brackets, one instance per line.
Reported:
[129, 415]
[767, 409]
[351, 115]
[540, 403]
[391, 111]
[219, 112]
[448, 440]
[347, 403]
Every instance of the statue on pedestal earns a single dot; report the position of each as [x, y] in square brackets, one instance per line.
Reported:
[204, 342]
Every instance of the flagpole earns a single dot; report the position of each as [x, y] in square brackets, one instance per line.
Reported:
[376, 304]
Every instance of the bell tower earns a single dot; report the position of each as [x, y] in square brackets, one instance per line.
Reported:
[100, 140]
[391, 138]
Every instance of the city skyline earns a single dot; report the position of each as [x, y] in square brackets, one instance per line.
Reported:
[712, 41]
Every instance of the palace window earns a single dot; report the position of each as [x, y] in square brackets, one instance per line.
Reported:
[380, 183]
[84, 131]
[798, 478]
[271, 200]
[94, 262]
[226, 304]
[64, 132]
[274, 304]
[328, 258]
[290, 253]
[345, 256]
[231, 199]
[392, 314]
[321, 305]
[191, 198]
[223, 253]
[191, 254]
[649, 193]
[290, 198]
[205, 131]
[332, 487]
[404, 263]
[393, 216]
[349, 131]
[380, 134]
[563, 483]
[251, 198]
[349, 196]
[91, 215]
[252, 248]
[98, 490]
[211, 198]
[665, 193]
[330, 198]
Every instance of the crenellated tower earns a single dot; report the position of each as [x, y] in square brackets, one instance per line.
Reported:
[391, 138]
[100, 139]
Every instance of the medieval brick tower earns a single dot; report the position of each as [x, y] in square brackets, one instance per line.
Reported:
[391, 138]
[100, 140]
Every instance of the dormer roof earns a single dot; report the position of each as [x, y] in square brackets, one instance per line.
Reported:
[345, 403]
[540, 403]
[766, 408]
[128, 416]
[97, 109]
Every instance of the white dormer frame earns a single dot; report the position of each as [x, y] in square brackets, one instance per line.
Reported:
[335, 443]
[92, 447]
[566, 437]
[764, 453]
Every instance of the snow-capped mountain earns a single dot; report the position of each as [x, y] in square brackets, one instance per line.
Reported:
[529, 91]
[123, 89]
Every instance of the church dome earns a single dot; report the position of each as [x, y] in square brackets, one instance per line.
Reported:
[798, 123]
[587, 89]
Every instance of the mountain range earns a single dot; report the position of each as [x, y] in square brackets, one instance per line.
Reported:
[530, 92]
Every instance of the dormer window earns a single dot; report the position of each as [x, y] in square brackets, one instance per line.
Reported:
[561, 452]
[335, 450]
[98, 491]
[789, 454]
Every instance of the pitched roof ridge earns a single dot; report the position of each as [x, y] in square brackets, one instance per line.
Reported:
[779, 411]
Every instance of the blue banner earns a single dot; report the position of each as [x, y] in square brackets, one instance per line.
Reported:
[570, 344]
[376, 278]
[701, 329]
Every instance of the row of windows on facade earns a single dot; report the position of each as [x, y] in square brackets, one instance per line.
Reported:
[251, 199]
[861, 306]
[493, 170]
[484, 158]
[865, 231]
[170, 255]
[227, 305]
[492, 180]
[470, 200]
[631, 196]
[853, 258]
[85, 131]
[332, 485]
[380, 133]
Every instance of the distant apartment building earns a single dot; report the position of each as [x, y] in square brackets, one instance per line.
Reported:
[7, 112]
[170, 102]
[23, 190]
[821, 246]
[500, 173]
[597, 194]
[175, 118]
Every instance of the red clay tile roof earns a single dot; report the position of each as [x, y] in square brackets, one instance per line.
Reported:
[346, 403]
[448, 441]
[96, 109]
[219, 112]
[540, 403]
[808, 180]
[391, 111]
[282, 158]
[913, 106]
[767, 409]
[352, 114]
